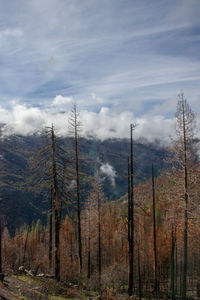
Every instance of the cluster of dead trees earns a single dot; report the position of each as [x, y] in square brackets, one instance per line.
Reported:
[143, 241]
[182, 159]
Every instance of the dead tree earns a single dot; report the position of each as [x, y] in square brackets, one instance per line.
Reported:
[56, 209]
[185, 131]
[0, 247]
[131, 218]
[128, 201]
[50, 229]
[156, 283]
[25, 246]
[139, 274]
[99, 240]
[89, 243]
[74, 128]
[47, 165]
[96, 198]
[173, 263]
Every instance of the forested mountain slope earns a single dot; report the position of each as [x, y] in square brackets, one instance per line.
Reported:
[22, 202]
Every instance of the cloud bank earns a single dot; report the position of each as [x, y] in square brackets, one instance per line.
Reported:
[22, 119]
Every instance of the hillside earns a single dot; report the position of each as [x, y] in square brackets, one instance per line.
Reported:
[22, 203]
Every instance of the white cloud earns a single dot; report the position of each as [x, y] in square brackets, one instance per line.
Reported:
[109, 171]
[59, 100]
[22, 120]
[25, 120]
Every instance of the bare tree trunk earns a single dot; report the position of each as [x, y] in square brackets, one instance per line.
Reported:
[131, 241]
[185, 257]
[156, 284]
[75, 125]
[56, 210]
[176, 255]
[139, 275]
[71, 250]
[99, 242]
[89, 259]
[173, 265]
[89, 253]
[25, 246]
[181, 277]
[50, 230]
[128, 201]
[0, 247]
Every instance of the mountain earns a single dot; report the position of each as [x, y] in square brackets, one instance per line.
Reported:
[20, 203]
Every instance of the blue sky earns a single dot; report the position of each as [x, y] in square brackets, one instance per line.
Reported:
[122, 60]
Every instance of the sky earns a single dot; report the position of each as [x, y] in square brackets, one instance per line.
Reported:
[120, 61]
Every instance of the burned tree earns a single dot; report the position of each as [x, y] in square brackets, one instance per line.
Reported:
[156, 284]
[49, 168]
[74, 128]
[96, 198]
[131, 216]
[184, 153]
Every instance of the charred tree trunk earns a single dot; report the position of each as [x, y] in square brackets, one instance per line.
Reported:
[128, 201]
[176, 263]
[75, 127]
[99, 242]
[56, 210]
[131, 216]
[185, 257]
[173, 264]
[139, 276]
[50, 229]
[25, 246]
[156, 284]
[89, 259]
[0, 247]
[89, 252]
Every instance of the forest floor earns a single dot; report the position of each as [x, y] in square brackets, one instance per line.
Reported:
[24, 287]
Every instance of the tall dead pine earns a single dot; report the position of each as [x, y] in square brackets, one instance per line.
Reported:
[50, 228]
[74, 127]
[156, 283]
[183, 149]
[50, 172]
[131, 218]
[0, 246]
[99, 241]
[56, 208]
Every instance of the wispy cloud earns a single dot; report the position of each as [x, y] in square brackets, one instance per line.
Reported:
[128, 56]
